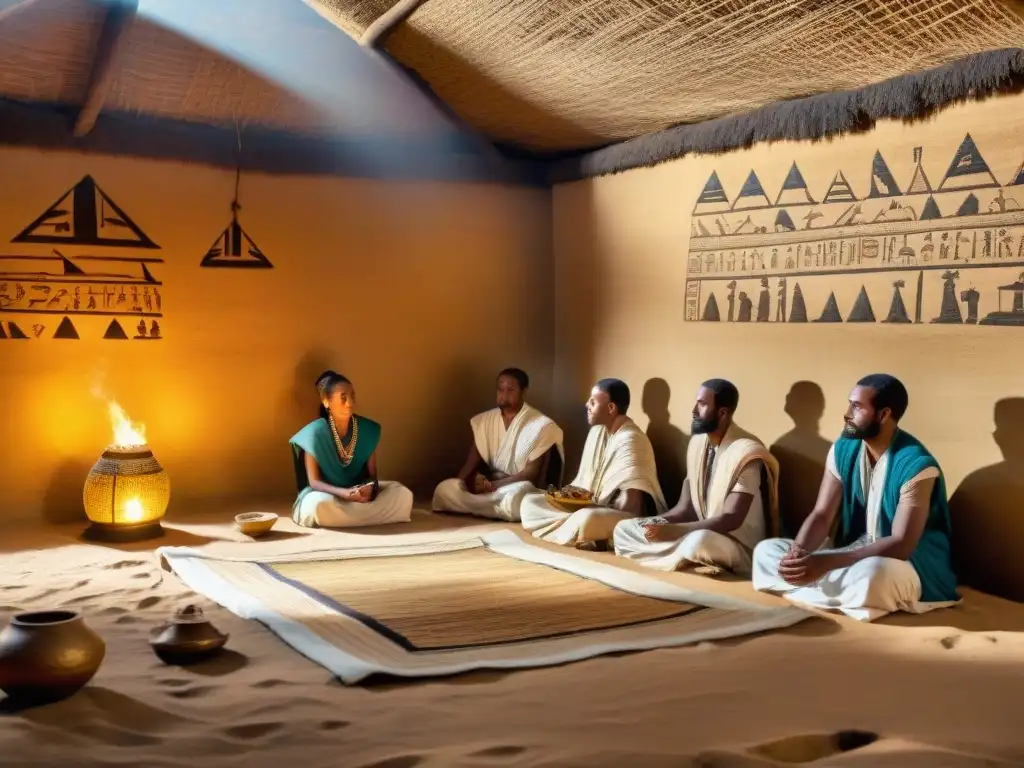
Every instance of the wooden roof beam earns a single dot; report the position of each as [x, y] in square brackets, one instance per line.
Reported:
[375, 34]
[117, 20]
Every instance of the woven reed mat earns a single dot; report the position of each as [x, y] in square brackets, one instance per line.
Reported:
[473, 597]
[445, 606]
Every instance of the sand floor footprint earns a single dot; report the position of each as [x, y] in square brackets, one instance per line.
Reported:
[333, 725]
[272, 682]
[803, 749]
[401, 761]
[499, 751]
[174, 682]
[192, 693]
[125, 564]
[251, 731]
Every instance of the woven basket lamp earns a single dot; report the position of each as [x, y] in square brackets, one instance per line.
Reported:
[126, 493]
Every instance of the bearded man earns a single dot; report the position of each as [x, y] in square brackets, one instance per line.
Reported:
[728, 502]
[883, 504]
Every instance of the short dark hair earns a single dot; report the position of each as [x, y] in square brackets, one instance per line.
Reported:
[618, 393]
[726, 394]
[889, 393]
[519, 375]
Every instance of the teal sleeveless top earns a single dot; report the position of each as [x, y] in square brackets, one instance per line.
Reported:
[317, 440]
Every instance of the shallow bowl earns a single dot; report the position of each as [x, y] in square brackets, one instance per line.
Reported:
[255, 523]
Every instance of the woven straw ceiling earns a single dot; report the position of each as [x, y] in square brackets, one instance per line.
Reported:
[560, 74]
[544, 74]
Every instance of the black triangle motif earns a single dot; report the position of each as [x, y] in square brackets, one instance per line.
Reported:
[862, 311]
[751, 194]
[3, 333]
[799, 312]
[785, 221]
[931, 210]
[795, 185]
[711, 313]
[949, 309]
[234, 248]
[969, 207]
[71, 268]
[85, 215]
[16, 332]
[115, 331]
[967, 161]
[830, 314]
[897, 310]
[794, 179]
[66, 330]
[882, 182]
[1018, 177]
[713, 191]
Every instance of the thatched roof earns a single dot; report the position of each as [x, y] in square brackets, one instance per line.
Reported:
[560, 74]
[545, 76]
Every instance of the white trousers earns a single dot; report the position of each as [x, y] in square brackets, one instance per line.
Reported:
[700, 547]
[502, 504]
[392, 505]
[867, 590]
[552, 524]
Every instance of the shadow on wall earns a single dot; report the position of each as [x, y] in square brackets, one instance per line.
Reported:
[801, 454]
[302, 404]
[669, 442]
[987, 512]
[62, 502]
[462, 390]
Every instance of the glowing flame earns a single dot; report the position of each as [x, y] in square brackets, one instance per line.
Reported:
[125, 433]
[133, 511]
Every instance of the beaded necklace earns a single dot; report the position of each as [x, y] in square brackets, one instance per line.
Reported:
[346, 454]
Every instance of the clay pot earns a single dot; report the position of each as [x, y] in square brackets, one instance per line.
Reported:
[188, 638]
[47, 656]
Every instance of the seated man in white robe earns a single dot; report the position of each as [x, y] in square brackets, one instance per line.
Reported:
[617, 471]
[884, 496]
[516, 449]
[729, 498]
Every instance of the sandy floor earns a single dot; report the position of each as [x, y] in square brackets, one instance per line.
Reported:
[940, 690]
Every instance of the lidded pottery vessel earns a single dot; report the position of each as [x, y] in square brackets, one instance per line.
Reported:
[46, 656]
[188, 638]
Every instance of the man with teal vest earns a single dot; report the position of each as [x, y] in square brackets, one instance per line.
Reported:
[878, 538]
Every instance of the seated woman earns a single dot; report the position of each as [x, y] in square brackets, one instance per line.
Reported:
[336, 466]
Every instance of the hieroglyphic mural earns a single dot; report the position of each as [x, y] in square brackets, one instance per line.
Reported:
[69, 284]
[951, 253]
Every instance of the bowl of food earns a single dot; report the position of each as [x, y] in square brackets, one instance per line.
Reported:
[255, 523]
[570, 497]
